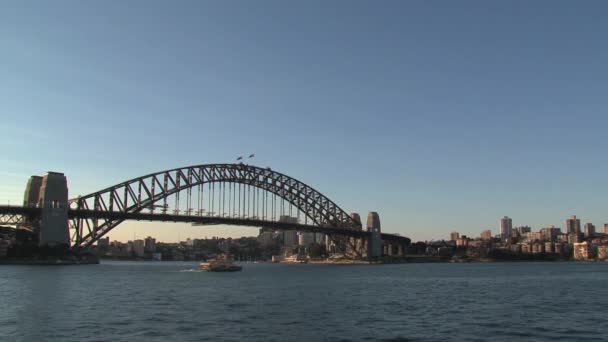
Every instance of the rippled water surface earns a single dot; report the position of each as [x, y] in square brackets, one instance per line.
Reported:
[145, 301]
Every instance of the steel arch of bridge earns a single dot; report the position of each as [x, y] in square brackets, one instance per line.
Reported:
[145, 193]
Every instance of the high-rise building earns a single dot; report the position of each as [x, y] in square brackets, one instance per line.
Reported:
[589, 230]
[573, 225]
[523, 229]
[454, 236]
[138, 248]
[150, 244]
[486, 235]
[605, 228]
[550, 233]
[506, 225]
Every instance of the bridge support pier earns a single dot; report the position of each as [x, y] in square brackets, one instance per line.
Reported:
[51, 194]
[374, 245]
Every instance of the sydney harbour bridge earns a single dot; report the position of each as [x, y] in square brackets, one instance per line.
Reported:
[224, 194]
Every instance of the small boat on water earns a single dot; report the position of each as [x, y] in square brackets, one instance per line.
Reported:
[220, 265]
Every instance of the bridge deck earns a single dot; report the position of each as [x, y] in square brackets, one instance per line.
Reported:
[250, 222]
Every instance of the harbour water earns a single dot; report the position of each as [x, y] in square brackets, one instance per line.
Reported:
[171, 301]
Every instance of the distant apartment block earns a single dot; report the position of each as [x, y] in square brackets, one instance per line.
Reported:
[573, 225]
[602, 252]
[506, 225]
[150, 244]
[589, 230]
[523, 229]
[454, 236]
[550, 233]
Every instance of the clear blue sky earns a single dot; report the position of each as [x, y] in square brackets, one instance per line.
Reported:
[441, 115]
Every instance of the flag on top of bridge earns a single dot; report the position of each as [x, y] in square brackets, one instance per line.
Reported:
[239, 158]
[252, 155]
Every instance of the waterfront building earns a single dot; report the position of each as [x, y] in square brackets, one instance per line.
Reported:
[602, 252]
[558, 247]
[516, 248]
[454, 236]
[506, 225]
[582, 251]
[589, 230]
[486, 235]
[562, 237]
[150, 244]
[605, 228]
[573, 225]
[538, 248]
[549, 247]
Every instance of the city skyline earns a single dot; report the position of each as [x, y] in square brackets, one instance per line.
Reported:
[226, 232]
[436, 117]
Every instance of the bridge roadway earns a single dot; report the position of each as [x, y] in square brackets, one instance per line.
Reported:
[14, 211]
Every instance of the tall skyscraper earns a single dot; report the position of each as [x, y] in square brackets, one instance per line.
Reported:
[486, 235]
[605, 228]
[573, 225]
[506, 226]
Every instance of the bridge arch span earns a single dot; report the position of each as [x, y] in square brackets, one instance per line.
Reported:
[153, 192]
